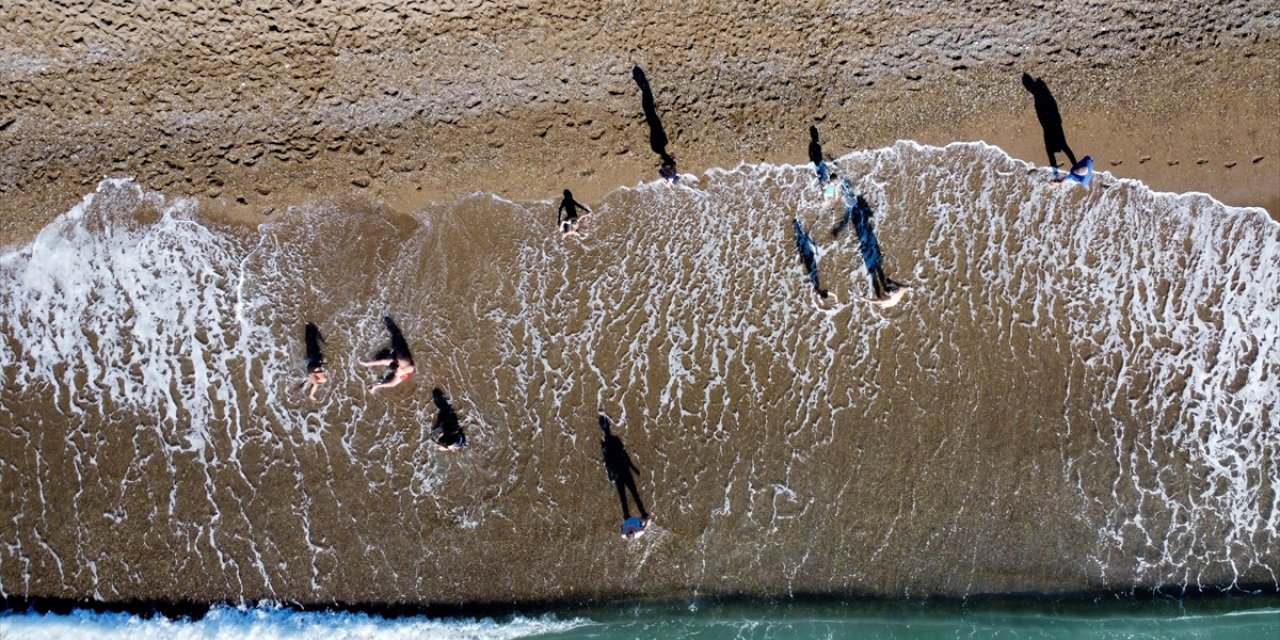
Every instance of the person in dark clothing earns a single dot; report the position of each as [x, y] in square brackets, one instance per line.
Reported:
[397, 358]
[315, 362]
[447, 433]
[619, 467]
[567, 214]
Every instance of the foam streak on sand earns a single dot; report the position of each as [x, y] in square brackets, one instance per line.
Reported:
[1080, 393]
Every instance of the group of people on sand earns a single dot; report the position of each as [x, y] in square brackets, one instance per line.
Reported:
[398, 360]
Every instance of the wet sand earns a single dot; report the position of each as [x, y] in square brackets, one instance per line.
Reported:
[251, 107]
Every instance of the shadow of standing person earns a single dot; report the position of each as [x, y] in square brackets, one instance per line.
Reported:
[1055, 139]
[618, 465]
[657, 135]
[815, 156]
[315, 361]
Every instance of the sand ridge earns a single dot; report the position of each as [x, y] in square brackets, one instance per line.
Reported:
[254, 105]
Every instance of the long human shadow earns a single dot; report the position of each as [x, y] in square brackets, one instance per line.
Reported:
[447, 432]
[618, 464]
[657, 135]
[858, 212]
[1055, 139]
[815, 156]
[399, 349]
[808, 257]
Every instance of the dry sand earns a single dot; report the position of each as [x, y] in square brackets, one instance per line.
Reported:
[256, 105]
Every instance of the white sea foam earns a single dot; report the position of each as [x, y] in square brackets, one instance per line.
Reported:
[266, 622]
[676, 313]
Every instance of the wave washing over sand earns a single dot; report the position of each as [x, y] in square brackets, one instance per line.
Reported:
[1079, 393]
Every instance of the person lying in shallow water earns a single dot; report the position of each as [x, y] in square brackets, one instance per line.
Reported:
[397, 359]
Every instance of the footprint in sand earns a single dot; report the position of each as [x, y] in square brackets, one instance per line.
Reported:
[1230, 164]
[1173, 163]
[1202, 161]
[1116, 163]
[1143, 159]
[1257, 159]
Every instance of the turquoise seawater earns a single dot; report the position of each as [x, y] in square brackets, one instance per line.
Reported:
[1244, 619]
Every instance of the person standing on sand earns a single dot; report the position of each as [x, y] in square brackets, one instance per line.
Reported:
[397, 359]
[569, 211]
[314, 363]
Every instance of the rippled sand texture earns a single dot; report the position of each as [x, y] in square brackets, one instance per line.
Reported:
[1079, 393]
[250, 103]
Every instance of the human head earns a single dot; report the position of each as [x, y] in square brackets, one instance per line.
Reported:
[568, 195]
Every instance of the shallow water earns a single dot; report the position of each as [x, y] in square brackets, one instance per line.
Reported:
[1078, 393]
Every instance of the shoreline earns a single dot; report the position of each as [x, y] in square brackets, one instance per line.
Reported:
[1249, 596]
[395, 107]
[398, 123]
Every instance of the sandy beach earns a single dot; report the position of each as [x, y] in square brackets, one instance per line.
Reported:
[252, 107]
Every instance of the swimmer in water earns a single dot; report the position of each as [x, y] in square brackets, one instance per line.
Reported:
[397, 359]
[567, 215]
[809, 258]
[315, 363]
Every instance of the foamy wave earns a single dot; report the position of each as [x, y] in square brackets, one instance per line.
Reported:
[266, 622]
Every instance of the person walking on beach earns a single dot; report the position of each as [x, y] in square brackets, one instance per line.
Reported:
[397, 358]
[314, 363]
[857, 212]
[809, 258]
[619, 467]
[567, 214]
[447, 433]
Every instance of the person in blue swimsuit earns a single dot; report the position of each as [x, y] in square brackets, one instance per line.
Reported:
[1081, 172]
[809, 258]
[858, 213]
